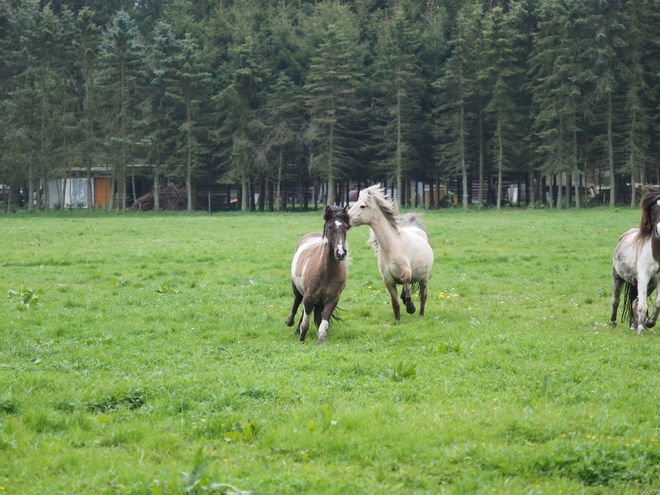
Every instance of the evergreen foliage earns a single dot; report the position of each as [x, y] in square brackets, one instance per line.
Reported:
[555, 97]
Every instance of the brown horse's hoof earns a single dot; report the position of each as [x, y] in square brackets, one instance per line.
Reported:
[410, 308]
[288, 322]
[649, 323]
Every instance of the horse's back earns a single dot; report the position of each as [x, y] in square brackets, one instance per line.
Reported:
[421, 254]
[311, 239]
[414, 251]
[307, 247]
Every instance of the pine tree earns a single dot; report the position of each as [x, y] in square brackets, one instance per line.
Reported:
[241, 130]
[331, 86]
[188, 91]
[86, 55]
[122, 55]
[597, 28]
[500, 72]
[283, 143]
[397, 107]
[457, 89]
[640, 27]
[555, 95]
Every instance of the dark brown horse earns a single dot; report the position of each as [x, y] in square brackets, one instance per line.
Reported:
[636, 265]
[318, 272]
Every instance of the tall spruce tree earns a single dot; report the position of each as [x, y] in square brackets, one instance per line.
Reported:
[188, 90]
[500, 72]
[597, 29]
[331, 89]
[456, 90]
[86, 45]
[555, 94]
[161, 130]
[397, 109]
[639, 34]
[241, 130]
[122, 56]
[283, 143]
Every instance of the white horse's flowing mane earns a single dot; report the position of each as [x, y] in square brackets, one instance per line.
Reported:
[375, 196]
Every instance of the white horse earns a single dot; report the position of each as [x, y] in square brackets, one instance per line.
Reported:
[401, 245]
[636, 265]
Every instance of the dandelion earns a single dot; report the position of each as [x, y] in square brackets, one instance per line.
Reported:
[224, 460]
[271, 306]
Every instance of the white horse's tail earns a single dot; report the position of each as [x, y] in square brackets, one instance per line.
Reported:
[412, 220]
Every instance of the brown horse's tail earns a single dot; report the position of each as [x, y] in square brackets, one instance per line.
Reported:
[629, 297]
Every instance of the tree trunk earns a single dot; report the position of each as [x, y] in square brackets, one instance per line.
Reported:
[610, 151]
[156, 192]
[500, 162]
[560, 185]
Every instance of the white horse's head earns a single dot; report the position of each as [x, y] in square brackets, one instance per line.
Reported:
[371, 200]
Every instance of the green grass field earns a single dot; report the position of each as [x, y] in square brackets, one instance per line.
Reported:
[147, 354]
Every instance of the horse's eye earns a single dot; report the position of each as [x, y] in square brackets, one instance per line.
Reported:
[363, 206]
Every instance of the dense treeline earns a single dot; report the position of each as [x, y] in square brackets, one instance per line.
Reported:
[553, 94]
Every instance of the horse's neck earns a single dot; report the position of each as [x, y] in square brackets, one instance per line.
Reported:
[655, 248]
[386, 234]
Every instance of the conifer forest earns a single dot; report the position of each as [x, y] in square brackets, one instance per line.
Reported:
[274, 99]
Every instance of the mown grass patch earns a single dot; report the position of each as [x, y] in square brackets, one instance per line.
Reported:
[139, 347]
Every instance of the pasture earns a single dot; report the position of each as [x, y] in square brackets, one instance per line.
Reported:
[147, 354]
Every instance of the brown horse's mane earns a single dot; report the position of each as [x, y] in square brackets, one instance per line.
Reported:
[647, 202]
[338, 213]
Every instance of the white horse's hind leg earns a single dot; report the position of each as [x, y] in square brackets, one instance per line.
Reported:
[395, 301]
[423, 293]
[405, 293]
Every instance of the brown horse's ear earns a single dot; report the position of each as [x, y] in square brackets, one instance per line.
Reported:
[346, 208]
[326, 213]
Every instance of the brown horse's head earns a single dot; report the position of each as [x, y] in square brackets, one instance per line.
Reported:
[650, 204]
[337, 223]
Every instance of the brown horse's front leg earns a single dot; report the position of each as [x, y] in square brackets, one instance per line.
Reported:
[297, 299]
[395, 301]
[326, 314]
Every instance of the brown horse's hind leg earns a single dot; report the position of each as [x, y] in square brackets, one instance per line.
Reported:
[297, 299]
[423, 293]
[308, 308]
[617, 285]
